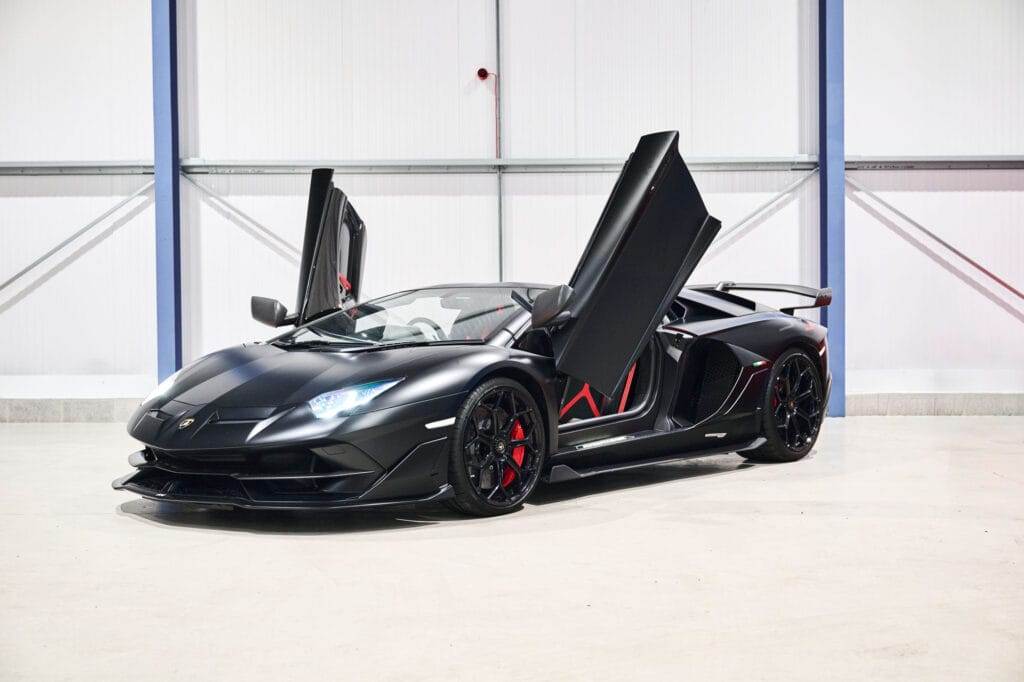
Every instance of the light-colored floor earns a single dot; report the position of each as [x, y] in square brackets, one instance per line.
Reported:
[895, 551]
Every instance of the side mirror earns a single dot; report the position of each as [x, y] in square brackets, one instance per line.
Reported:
[269, 311]
[549, 307]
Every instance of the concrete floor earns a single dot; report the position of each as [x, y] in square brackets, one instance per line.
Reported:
[894, 551]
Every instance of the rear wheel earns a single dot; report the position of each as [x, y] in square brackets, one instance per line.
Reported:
[793, 409]
[497, 449]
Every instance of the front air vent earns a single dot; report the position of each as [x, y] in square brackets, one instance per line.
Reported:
[287, 462]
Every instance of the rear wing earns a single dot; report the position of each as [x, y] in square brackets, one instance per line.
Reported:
[822, 297]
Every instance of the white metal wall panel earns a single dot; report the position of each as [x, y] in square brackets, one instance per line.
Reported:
[337, 80]
[75, 81]
[755, 78]
[585, 79]
[913, 323]
[82, 324]
[934, 77]
[421, 230]
[549, 218]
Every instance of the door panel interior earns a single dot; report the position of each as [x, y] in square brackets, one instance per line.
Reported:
[334, 246]
[319, 188]
[322, 290]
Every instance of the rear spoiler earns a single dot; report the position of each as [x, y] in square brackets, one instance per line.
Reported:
[822, 297]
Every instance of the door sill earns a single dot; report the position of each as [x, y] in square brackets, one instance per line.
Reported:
[563, 472]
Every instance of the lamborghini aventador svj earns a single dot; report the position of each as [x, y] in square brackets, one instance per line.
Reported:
[474, 393]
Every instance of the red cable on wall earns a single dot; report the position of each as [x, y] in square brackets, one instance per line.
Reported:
[483, 74]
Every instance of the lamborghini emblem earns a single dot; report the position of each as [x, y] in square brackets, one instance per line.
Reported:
[185, 423]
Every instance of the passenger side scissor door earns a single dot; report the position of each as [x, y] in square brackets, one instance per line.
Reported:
[650, 237]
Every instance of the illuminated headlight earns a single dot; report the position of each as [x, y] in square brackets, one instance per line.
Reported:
[348, 400]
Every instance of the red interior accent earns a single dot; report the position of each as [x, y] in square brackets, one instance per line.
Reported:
[518, 454]
[625, 391]
[583, 394]
[343, 281]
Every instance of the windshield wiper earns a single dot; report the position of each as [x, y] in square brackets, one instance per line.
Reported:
[382, 345]
[324, 343]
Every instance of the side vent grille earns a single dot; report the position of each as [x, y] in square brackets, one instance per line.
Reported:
[720, 371]
[709, 371]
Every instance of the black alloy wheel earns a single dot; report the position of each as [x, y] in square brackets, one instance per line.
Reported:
[497, 449]
[793, 409]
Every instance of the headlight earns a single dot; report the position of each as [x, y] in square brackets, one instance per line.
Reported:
[348, 400]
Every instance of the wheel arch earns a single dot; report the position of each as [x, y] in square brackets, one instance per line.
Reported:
[536, 389]
[807, 345]
[774, 336]
[776, 449]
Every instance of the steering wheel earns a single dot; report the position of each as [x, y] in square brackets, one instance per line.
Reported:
[439, 334]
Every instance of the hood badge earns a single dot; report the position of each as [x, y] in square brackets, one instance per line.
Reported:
[185, 423]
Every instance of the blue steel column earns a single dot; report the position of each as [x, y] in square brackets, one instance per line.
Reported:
[832, 164]
[165, 170]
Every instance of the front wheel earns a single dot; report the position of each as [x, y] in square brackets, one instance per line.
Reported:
[793, 409]
[497, 449]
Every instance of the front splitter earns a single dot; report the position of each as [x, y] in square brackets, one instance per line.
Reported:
[124, 483]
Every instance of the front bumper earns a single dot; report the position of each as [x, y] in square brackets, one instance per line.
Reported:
[271, 481]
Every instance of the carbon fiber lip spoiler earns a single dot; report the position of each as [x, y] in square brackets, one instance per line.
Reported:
[822, 297]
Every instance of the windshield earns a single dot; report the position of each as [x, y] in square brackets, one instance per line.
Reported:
[444, 315]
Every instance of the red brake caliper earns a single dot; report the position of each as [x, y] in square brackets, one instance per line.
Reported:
[518, 454]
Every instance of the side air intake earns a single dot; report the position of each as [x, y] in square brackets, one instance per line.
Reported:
[709, 372]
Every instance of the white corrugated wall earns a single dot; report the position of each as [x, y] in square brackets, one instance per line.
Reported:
[927, 78]
[586, 78]
[359, 80]
[422, 229]
[75, 85]
[336, 80]
[354, 80]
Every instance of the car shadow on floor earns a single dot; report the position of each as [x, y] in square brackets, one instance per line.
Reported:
[291, 522]
[638, 478]
[406, 518]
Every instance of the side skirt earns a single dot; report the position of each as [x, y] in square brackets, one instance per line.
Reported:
[560, 473]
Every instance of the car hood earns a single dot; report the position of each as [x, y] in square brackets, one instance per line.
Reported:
[261, 375]
[237, 388]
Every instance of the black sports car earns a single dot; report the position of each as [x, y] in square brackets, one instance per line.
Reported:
[474, 393]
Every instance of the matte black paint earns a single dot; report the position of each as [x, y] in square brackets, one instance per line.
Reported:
[250, 400]
[652, 232]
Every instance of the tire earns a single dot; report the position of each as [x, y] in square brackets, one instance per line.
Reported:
[496, 452]
[792, 412]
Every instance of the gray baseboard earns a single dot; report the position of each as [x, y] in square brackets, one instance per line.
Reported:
[867, 404]
[67, 409]
[943, 404]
